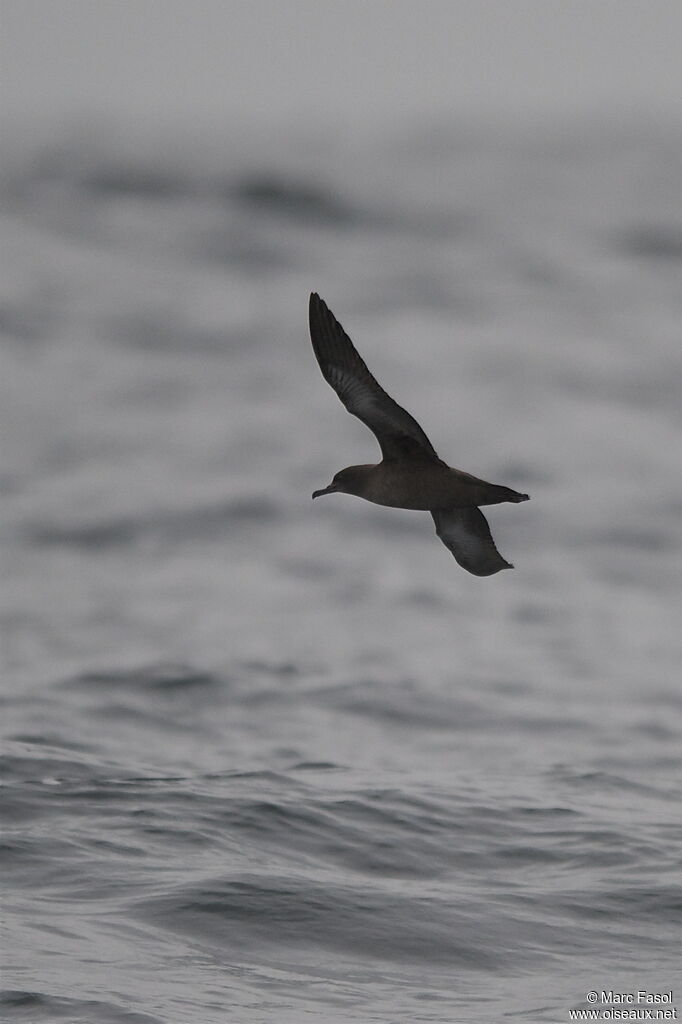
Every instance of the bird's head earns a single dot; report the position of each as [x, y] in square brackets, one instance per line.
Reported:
[347, 481]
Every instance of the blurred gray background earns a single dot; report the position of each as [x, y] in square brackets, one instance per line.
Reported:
[269, 760]
[353, 63]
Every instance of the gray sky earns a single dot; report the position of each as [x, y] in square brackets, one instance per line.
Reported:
[361, 61]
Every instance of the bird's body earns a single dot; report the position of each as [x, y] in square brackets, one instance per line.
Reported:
[427, 486]
[410, 475]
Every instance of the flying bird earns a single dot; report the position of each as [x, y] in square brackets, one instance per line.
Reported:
[410, 474]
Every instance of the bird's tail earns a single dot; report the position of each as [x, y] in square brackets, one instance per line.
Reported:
[497, 494]
[516, 495]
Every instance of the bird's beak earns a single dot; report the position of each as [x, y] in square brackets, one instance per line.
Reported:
[325, 490]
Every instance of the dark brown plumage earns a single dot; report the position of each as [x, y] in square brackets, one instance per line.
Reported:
[410, 474]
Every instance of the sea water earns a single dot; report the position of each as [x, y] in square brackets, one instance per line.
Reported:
[270, 761]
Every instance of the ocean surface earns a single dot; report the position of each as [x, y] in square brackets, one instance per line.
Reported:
[267, 761]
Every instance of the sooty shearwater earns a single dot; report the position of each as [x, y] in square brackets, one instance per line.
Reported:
[410, 474]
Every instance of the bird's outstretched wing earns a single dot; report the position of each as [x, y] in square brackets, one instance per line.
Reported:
[466, 533]
[399, 435]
